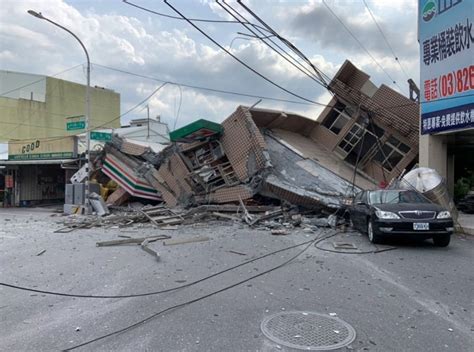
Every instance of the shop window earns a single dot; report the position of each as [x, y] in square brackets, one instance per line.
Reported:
[393, 151]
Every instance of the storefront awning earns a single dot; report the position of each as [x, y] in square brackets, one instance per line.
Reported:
[125, 176]
[36, 162]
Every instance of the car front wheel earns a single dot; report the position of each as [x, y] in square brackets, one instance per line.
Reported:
[441, 240]
[374, 238]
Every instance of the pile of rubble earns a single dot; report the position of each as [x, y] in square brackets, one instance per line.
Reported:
[273, 218]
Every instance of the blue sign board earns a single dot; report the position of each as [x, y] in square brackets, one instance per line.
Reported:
[446, 36]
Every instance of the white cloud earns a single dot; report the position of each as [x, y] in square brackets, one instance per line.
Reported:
[172, 50]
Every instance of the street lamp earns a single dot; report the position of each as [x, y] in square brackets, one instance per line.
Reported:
[88, 107]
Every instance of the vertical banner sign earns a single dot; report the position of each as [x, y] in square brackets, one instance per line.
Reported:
[446, 36]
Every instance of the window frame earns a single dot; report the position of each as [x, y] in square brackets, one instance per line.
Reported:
[349, 140]
[344, 113]
[395, 149]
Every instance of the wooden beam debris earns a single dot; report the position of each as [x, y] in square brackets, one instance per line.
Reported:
[247, 217]
[144, 246]
[269, 216]
[225, 216]
[132, 241]
[185, 240]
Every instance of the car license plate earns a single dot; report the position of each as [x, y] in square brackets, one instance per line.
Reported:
[421, 226]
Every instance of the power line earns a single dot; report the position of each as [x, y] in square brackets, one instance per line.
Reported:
[361, 45]
[175, 17]
[161, 80]
[179, 106]
[39, 80]
[211, 89]
[264, 39]
[29, 84]
[30, 125]
[154, 315]
[153, 292]
[183, 19]
[105, 123]
[386, 108]
[290, 45]
[237, 59]
[385, 39]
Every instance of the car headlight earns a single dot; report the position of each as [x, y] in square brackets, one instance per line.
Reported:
[386, 215]
[444, 215]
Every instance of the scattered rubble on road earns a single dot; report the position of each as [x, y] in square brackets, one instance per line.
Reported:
[274, 218]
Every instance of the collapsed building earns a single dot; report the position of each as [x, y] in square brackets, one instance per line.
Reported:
[364, 138]
[234, 161]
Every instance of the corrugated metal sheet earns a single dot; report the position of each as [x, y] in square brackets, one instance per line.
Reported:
[32, 188]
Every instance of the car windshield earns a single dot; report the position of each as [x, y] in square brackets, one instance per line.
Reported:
[395, 197]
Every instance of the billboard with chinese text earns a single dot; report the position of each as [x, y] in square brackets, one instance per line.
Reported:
[446, 41]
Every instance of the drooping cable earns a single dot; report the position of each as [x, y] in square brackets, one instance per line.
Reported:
[152, 293]
[19, 124]
[179, 107]
[176, 17]
[40, 80]
[318, 72]
[309, 244]
[264, 38]
[385, 39]
[182, 19]
[214, 90]
[360, 44]
[236, 58]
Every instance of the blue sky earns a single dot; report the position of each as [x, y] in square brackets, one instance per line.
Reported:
[123, 37]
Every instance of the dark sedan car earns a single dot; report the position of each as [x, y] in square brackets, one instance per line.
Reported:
[400, 212]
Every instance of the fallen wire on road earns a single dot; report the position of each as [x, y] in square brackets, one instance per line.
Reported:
[161, 291]
[143, 321]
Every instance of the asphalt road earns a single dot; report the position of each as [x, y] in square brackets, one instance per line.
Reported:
[415, 298]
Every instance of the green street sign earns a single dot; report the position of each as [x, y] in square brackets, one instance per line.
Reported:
[75, 125]
[101, 136]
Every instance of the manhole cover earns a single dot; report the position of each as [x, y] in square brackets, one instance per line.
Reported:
[308, 331]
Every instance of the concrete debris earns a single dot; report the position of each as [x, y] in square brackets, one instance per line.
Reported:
[80, 175]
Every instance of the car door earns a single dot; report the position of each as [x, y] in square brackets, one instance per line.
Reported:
[363, 211]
